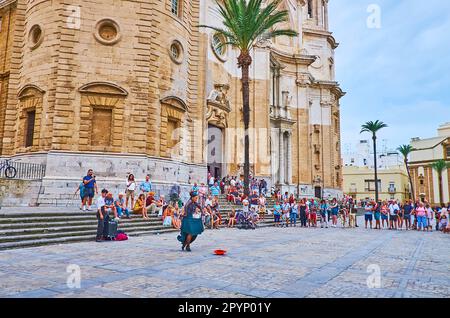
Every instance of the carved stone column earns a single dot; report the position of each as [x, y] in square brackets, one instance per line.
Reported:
[282, 159]
[289, 158]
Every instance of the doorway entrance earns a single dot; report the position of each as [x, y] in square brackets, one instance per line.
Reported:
[318, 192]
[215, 151]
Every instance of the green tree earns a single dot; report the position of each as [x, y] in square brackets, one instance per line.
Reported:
[405, 150]
[374, 127]
[440, 166]
[245, 23]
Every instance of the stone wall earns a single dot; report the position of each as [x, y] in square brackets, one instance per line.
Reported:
[19, 192]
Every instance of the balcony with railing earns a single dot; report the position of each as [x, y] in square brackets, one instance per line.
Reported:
[280, 112]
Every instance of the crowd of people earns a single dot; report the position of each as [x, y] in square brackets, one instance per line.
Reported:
[390, 214]
[287, 210]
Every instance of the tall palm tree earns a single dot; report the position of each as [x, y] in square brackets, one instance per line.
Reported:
[374, 127]
[245, 23]
[405, 150]
[440, 166]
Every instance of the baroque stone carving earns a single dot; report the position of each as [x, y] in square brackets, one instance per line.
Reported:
[218, 106]
[219, 96]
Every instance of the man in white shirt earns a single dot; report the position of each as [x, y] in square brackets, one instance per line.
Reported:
[211, 181]
[102, 216]
[245, 207]
[393, 214]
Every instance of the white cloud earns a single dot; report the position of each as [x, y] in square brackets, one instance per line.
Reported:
[400, 73]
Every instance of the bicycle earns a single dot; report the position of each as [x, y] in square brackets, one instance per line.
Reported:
[10, 171]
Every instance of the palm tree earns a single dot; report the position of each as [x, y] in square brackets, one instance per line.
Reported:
[374, 127]
[405, 150]
[247, 22]
[439, 166]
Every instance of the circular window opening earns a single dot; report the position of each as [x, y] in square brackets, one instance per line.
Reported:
[35, 36]
[219, 47]
[176, 52]
[107, 32]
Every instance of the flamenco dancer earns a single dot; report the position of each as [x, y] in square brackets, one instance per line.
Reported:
[192, 224]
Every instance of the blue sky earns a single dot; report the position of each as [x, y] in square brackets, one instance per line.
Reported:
[399, 73]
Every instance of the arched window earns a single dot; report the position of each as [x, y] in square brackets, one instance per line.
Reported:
[176, 7]
[30, 110]
[173, 121]
[310, 9]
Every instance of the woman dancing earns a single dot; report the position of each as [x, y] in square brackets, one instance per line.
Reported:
[191, 224]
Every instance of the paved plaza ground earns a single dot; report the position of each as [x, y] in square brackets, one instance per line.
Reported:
[267, 262]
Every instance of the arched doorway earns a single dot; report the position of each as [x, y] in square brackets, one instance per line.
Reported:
[215, 151]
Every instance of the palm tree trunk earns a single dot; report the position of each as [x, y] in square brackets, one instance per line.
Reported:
[375, 165]
[441, 192]
[413, 195]
[244, 61]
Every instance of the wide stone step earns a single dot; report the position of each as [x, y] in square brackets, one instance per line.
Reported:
[74, 239]
[52, 234]
[91, 236]
[75, 227]
[122, 222]
[66, 218]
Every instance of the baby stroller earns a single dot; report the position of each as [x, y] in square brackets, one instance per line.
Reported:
[245, 220]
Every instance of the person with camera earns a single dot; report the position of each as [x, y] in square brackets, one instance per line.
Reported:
[90, 189]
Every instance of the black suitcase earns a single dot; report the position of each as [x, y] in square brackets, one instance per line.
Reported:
[110, 232]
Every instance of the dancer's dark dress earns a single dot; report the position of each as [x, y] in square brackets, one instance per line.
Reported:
[189, 224]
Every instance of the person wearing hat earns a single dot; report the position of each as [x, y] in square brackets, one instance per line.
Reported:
[191, 224]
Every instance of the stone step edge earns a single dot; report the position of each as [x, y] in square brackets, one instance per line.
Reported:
[68, 240]
[84, 238]
[23, 236]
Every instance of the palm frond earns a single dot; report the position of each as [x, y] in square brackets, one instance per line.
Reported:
[245, 22]
[405, 150]
[373, 126]
[440, 165]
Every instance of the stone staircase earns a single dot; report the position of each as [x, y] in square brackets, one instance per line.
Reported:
[19, 230]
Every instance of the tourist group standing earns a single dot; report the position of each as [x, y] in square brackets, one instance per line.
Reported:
[203, 210]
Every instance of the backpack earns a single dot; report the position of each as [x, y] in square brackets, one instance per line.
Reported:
[121, 237]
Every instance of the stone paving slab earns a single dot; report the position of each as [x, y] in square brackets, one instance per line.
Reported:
[268, 262]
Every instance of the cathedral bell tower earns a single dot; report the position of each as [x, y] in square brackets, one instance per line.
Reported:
[316, 14]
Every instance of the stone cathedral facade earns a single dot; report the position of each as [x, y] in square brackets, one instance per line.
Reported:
[135, 86]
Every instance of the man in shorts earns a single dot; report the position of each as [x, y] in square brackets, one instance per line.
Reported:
[407, 210]
[368, 215]
[90, 189]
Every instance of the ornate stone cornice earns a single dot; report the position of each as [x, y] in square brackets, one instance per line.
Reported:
[29, 87]
[332, 85]
[5, 3]
[332, 42]
[103, 88]
[288, 58]
[323, 33]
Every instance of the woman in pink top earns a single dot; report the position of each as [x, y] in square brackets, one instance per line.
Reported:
[421, 216]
